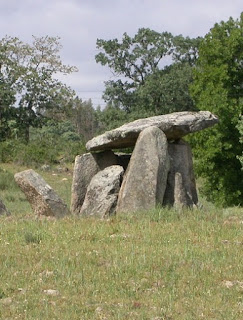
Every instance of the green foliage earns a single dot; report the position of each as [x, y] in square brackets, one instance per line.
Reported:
[240, 128]
[135, 57]
[53, 142]
[11, 150]
[83, 117]
[149, 84]
[59, 140]
[7, 99]
[36, 152]
[7, 181]
[27, 73]
[110, 117]
[166, 90]
[54, 129]
[33, 237]
[218, 87]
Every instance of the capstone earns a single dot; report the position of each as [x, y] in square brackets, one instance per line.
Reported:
[174, 125]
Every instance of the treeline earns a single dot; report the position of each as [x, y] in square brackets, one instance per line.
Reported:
[155, 73]
[41, 119]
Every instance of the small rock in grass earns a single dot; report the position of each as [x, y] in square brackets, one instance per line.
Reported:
[6, 301]
[230, 284]
[51, 292]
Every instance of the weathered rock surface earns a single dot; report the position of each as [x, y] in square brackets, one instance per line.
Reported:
[181, 186]
[3, 209]
[174, 125]
[145, 180]
[102, 193]
[85, 167]
[42, 197]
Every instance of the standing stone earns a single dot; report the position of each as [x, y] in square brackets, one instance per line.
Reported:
[102, 193]
[85, 167]
[3, 209]
[181, 186]
[43, 199]
[145, 180]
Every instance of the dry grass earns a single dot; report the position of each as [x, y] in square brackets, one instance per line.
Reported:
[156, 265]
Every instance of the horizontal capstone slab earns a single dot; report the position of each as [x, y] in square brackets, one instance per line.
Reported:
[174, 125]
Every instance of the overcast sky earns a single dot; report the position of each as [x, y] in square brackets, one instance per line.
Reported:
[80, 22]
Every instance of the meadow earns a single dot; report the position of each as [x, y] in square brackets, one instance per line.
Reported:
[157, 265]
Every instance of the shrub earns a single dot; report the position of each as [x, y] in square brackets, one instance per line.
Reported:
[47, 145]
[7, 181]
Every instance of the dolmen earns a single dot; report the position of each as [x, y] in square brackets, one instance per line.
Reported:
[158, 172]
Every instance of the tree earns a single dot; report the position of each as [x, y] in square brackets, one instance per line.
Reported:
[29, 72]
[110, 118]
[83, 117]
[7, 90]
[7, 99]
[143, 63]
[217, 87]
[240, 128]
[166, 90]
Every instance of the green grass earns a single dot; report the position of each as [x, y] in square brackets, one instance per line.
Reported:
[156, 265]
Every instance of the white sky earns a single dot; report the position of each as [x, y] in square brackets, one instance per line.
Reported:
[80, 22]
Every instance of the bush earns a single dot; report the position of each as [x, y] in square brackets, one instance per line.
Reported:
[9, 150]
[7, 181]
[240, 128]
[48, 145]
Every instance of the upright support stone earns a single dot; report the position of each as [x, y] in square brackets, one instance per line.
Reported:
[85, 167]
[43, 199]
[102, 193]
[145, 180]
[181, 186]
[3, 209]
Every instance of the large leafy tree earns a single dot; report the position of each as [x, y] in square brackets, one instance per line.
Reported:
[166, 90]
[153, 71]
[8, 78]
[218, 87]
[28, 72]
[7, 99]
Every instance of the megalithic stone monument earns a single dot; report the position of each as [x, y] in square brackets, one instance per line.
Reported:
[160, 170]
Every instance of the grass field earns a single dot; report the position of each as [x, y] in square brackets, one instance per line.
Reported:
[156, 265]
